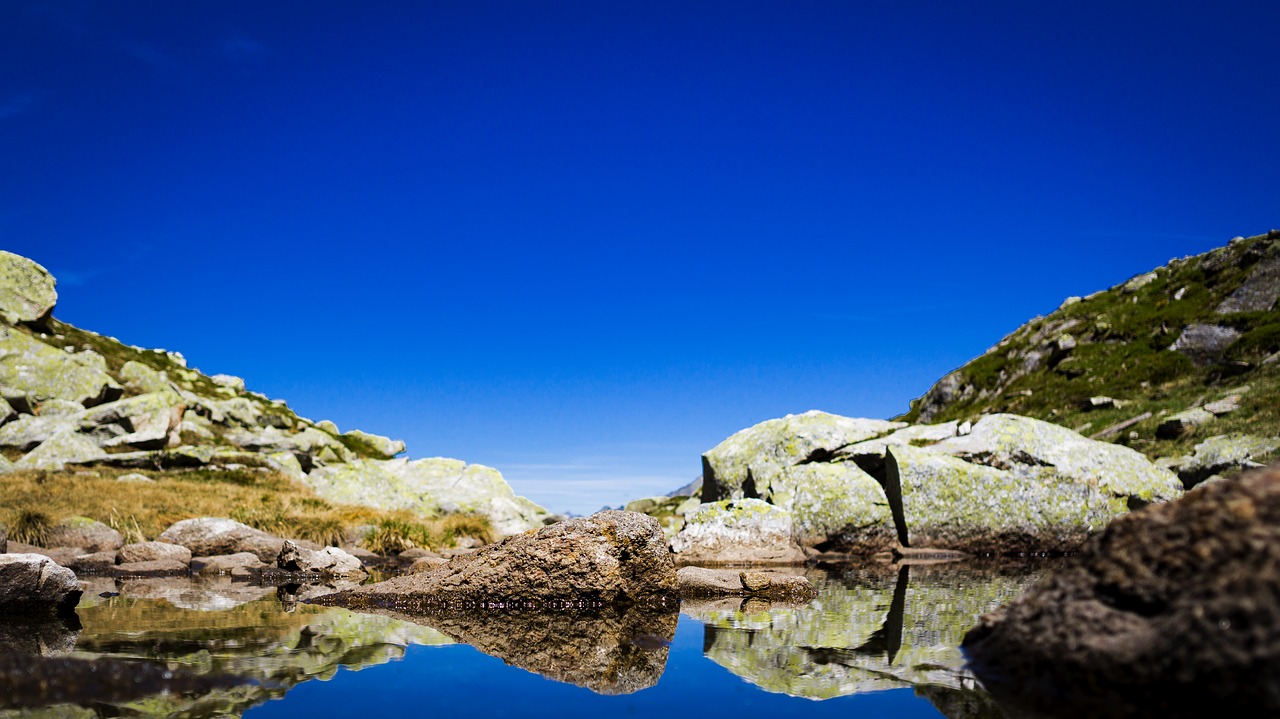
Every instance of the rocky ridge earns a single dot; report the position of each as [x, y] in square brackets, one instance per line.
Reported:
[72, 399]
[1171, 358]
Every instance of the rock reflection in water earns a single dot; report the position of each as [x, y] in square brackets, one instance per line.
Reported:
[38, 637]
[225, 646]
[607, 651]
[869, 629]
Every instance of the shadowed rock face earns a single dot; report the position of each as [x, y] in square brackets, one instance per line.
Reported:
[608, 651]
[1169, 608]
[611, 558]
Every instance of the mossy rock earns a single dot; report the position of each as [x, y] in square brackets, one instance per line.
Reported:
[27, 290]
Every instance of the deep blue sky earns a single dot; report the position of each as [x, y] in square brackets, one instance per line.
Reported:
[584, 242]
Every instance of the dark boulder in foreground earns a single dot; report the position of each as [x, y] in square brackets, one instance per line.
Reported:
[1170, 609]
[35, 584]
[611, 558]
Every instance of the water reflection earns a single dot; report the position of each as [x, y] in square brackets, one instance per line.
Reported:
[869, 629]
[203, 648]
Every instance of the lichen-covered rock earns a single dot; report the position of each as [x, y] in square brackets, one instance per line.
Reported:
[1183, 423]
[1174, 606]
[63, 448]
[27, 290]
[737, 531]
[209, 536]
[143, 379]
[428, 486]
[330, 561]
[149, 421]
[28, 431]
[33, 583]
[377, 446]
[41, 372]
[945, 502]
[229, 381]
[611, 558]
[836, 507]
[154, 551]
[84, 532]
[1225, 453]
[745, 464]
[307, 444]
[1007, 440]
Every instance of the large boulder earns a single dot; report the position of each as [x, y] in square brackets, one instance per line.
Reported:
[944, 502]
[1205, 344]
[611, 558]
[428, 486]
[66, 447]
[737, 531]
[1259, 291]
[35, 584]
[28, 431]
[310, 445]
[148, 421]
[27, 291]
[41, 372]
[154, 551]
[837, 507]
[209, 536]
[746, 464]
[1010, 441]
[84, 532]
[1171, 607]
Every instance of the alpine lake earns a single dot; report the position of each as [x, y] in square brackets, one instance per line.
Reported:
[879, 640]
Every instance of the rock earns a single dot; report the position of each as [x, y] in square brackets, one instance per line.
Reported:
[209, 536]
[226, 563]
[1205, 344]
[1226, 405]
[1183, 423]
[34, 584]
[611, 558]
[1103, 402]
[27, 291]
[149, 421]
[59, 408]
[1174, 606]
[154, 551]
[426, 564]
[60, 450]
[428, 486]
[1225, 453]
[413, 553]
[1138, 282]
[836, 507]
[134, 477]
[745, 464]
[742, 531]
[62, 556]
[41, 372]
[92, 535]
[377, 446]
[944, 502]
[308, 445]
[149, 569]
[702, 582]
[95, 563]
[1010, 441]
[28, 431]
[229, 381]
[1259, 291]
[325, 425]
[143, 379]
[330, 561]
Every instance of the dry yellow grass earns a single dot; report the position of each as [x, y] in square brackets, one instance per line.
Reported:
[267, 500]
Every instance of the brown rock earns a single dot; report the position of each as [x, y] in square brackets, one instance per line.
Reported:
[97, 563]
[211, 536]
[426, 564]
[152, 551]
[226, 563]
[1171, 607]
[35, 584]
[88, 534]
[612, 558]
[755, 581]
[153, 568]
[704, 583]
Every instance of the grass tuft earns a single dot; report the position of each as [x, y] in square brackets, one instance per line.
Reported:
[30, 526]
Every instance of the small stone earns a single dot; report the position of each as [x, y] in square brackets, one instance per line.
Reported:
[1183, 423]
[134, 477]
[755, 581]
[1223, 406]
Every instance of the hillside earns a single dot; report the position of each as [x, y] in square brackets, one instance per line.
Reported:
[1160, 362]
[83, 407]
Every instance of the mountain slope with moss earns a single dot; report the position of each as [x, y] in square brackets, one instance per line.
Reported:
[1162, 362]
[80, 404]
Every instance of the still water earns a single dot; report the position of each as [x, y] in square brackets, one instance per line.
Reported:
[877, 641]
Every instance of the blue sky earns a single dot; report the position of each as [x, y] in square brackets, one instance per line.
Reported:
[584, 242]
